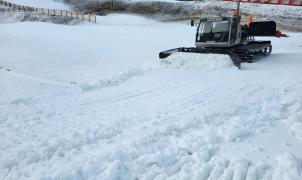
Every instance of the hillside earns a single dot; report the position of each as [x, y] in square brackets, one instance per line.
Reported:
[93, 101]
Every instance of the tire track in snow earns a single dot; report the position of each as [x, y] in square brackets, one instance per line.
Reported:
[182, 107]
[33, 78]
[137, 96]
[190, 104]
[85, 143]
[228, 174]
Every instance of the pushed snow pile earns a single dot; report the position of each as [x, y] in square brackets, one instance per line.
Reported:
[113, 80]
[198, 61]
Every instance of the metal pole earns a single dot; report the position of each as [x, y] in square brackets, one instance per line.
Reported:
[238, 7]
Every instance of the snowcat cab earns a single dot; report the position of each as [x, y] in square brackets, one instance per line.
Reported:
[225, 35]
[220, 32]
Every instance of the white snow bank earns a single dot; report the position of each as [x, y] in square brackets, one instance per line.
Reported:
[50, 4]
[124, 19]
[35, 17]
[198, 61]
[11, 17]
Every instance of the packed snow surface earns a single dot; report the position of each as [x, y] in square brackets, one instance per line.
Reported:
[95, 102]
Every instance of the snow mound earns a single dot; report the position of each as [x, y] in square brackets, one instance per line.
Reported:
[289, 167]
[294, 121]
[114, 80]
[198, 61]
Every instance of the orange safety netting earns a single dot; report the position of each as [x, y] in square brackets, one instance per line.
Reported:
[277, 2]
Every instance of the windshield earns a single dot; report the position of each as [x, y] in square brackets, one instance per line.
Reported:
[207, 27]
[214, 31]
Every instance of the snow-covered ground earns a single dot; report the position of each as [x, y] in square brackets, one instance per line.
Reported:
[181, 9]
[94, 102]
[51, 4]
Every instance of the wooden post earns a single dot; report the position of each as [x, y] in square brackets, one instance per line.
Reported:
[112, 5]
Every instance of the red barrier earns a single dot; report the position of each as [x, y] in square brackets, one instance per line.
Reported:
[277, 2]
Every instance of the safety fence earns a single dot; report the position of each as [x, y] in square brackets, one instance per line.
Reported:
[276, 2]
[12, 8]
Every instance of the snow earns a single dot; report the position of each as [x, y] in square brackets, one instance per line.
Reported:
[93, 101]
[114, 80]
[198, 62]
[266, 10]
[50, 4]
[174, 9]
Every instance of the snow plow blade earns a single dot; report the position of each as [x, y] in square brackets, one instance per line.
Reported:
[235, 58]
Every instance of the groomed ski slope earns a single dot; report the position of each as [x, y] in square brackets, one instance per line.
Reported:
[94, 102]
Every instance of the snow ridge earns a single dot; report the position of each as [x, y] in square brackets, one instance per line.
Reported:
[114, 80]
[293, 106]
